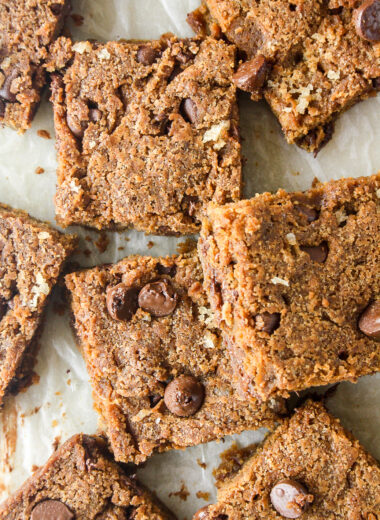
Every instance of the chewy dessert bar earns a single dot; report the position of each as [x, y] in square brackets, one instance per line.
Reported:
[293, 279]
[157, 364]
[310, 59]
[32, 255]
[147, 132]
[27, 28]
[80, 481]
[310, 467]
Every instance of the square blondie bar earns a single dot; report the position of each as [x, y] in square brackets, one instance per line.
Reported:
[32, 255]
[293, 279]
[310, 467]
[80, 481]
[158, 367]
[147, 132]
[27, 28]
[310, 59]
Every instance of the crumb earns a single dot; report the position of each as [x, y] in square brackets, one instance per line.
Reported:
[57, 393]
[68, 382]
[185, 247]
[102, 242]
[203, 465]
[127, 239]
[54, 423]
[232, 460]
[34, 468]
[39, 170]
[183, 493]
[44, 134]
[204, 496]
[68, 371]
[56, 442]
[316, 182]
[77, 19]
[150, 244]
[121, 248]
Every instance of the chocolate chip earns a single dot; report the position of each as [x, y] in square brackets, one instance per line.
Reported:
[3, 308]
[147, 55]
[158, 298]
[311, 214]
[154, 399]
[367, 20]
[252, 74]
[290, 498]
[184, 396]
[56, 9]
[121, 302]
[5, 90]
[77, 127]
[369, 321]
[202, 514]
[95, 115]
[2, 108]
[267, 322]
[189, 110]
[376, 83]
[317, 253]
[51, 510]
[170, 270]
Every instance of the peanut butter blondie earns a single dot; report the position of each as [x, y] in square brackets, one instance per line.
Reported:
[156, 361]
[310, 59]
[147, 132]
[80, 481]
[32, 255]
[310, 467]
[27, 28]
[294, 281]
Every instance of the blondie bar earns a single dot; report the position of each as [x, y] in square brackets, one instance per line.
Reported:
[156, 361]
[147, 132]
[310, 59]
[294, 281]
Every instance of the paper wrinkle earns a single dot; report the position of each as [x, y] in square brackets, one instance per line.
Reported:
[61, 404]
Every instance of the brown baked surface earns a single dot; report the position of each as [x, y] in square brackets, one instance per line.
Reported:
[147, 132]
[27, 28]
[131, 362]
[82, 476]
[32, 255]
[319, 65]
[312, 448]
[254, 263]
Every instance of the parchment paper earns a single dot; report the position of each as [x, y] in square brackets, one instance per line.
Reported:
[61, 405]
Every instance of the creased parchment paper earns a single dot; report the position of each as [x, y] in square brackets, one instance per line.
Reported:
[61, 404]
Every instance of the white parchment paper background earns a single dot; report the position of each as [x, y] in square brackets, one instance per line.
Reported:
[61, 405]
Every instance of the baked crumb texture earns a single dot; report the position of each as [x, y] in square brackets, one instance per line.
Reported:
[80, 481]
[305, 57]
[32, 255]
[27, 28]
[147, 132]
[140, 362]
[293, 279]
[312, 450]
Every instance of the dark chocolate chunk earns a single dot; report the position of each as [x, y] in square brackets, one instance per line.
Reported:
[267, 322]
[51, 510]
[147, 55]
[317, 253]
[369, 321]
[158, 298]
[252, 74]
[367, 20]
[290, 498]
[77, 127]
[5, 90]
[189, 110]
[121, 302]
[184, 396]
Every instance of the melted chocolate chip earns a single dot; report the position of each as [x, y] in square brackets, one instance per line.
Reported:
[51, 510]
[184, 396]
[5, 91]
[202, 514]
[252, 74]
[369, 321]
[77, 127]
[311, 214]
[317, 253]
[267, 322]
[121, 302]
[367, 20]
[158, 298]
[189, 110]
[146, 55]
[290, 498]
